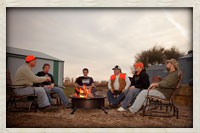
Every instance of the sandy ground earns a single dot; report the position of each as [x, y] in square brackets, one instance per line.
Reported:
[95, 118]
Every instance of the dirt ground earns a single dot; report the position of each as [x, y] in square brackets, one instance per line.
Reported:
[96, 118]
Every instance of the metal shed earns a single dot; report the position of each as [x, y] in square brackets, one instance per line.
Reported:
[15, 57]
[185, 65]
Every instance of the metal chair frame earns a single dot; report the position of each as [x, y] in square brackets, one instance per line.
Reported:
[13, 98]
[155, 104]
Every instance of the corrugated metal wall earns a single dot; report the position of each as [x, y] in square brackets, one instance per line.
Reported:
[152, 73]
[15, 62]
[185, 65]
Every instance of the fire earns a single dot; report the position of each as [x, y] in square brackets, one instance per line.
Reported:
[83, 92]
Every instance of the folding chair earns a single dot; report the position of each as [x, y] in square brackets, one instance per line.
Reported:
[12, 98]
[154, 105]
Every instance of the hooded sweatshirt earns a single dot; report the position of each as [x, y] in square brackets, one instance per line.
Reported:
[140, 81]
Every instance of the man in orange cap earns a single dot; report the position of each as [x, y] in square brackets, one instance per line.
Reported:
[25, 76]
[139, 82]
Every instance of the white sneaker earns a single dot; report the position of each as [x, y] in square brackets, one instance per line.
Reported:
[120, 109]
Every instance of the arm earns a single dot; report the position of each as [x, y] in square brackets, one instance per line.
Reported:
[128, 83]
[77, 85]
[32, 77]
[109, 85]
[169, 81]
[92, 85]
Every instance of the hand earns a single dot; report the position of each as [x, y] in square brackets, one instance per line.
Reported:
[52, 85]
[48, 86]
[123, 90]
[112, 90]
[89, 87]
[153, 86]
[132, 87]
[48, 78]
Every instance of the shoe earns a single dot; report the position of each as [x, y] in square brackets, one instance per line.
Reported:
[49, 109]
[52, 104]
[131, 110]
[68, 105]
[120, 109]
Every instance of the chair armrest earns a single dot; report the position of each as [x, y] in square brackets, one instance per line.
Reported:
[158, 98]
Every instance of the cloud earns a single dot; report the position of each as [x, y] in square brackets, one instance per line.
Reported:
[97, 38]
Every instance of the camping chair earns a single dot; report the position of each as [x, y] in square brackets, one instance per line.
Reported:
[13, 98]
[153, 103]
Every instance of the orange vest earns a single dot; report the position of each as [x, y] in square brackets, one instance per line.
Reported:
[121, 80]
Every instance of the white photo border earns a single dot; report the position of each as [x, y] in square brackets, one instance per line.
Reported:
[194, 4]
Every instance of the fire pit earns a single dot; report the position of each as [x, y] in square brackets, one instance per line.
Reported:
[82, 98]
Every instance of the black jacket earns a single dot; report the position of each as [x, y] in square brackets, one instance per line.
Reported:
[140, 81]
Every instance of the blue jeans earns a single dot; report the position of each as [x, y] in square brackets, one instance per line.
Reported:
[60, 93]
[130, 97]
[93, 91]
[117, 100]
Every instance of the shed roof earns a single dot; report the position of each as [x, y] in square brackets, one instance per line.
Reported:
[189, 55]
[25, 52]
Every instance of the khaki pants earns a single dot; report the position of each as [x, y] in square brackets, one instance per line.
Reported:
[141, 99]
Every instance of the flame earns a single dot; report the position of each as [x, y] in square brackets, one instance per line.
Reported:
[82, 92]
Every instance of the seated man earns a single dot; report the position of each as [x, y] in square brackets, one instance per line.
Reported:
[118, 82]
[25, 76]
[49, 86]
[87, 81]
[139, 82]
[162, 89]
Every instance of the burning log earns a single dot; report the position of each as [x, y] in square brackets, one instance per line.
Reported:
[83, 92]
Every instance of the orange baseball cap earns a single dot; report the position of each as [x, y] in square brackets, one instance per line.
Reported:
[139, 64]
[30, 58]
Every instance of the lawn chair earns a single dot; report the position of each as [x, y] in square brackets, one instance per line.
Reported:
[153, 103]
[12, 98]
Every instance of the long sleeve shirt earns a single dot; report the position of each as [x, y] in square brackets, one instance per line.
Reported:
[25, 76]
[167, 85]
[116, 83]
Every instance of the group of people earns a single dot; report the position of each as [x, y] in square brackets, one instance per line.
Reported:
[131, 91]
[42, 84]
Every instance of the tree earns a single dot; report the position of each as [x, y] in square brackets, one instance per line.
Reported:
[157, 55]
[172, 53]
